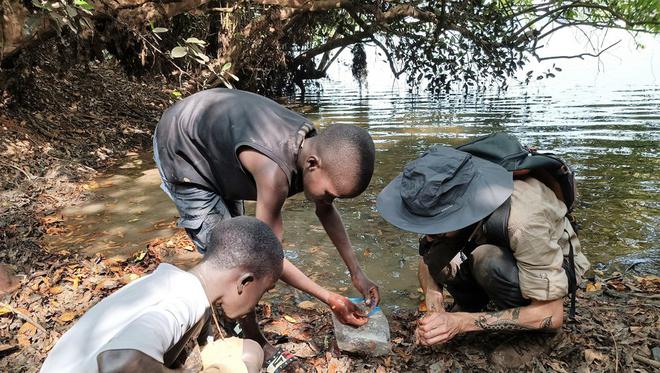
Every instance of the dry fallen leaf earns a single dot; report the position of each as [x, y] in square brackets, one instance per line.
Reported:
[290, 319]
[591, 287]
[307, 305]
[67, 316]
[26, 331]
[107, 284]
[56, 290]
[590, 355]
[5, 310]
[140, 256]
[267, 310]
[339, 365]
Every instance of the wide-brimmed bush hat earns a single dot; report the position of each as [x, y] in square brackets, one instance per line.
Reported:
[444, 190]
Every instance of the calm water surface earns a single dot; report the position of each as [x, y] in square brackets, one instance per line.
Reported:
[610, 136]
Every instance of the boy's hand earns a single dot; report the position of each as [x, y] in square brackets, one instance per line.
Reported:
[346, 311]
[368, 289]
[438, 327]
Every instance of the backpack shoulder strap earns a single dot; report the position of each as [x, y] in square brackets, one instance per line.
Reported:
[495, 226]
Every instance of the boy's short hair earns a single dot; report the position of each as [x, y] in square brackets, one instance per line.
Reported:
[348, 149]
[245, 242]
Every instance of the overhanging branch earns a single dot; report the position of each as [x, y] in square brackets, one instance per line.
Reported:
[581, 55]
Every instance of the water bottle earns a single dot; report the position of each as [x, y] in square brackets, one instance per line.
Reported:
[372, 338]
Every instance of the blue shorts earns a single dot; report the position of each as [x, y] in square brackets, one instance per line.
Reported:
[199, 209]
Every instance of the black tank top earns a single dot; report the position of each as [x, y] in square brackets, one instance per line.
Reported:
[198, 139]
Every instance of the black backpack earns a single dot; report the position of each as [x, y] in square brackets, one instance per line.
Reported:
[554, 172]
[506, 150]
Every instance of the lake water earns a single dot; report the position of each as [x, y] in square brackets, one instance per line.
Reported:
[610, 137]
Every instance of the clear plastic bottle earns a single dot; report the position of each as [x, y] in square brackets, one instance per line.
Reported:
[372, 338]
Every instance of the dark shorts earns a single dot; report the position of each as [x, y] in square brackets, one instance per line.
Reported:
[199, 209]
[488, 274]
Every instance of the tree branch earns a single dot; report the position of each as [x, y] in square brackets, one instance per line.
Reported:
[325, 68]
[580, 56]
[390, 60]
[330, 45]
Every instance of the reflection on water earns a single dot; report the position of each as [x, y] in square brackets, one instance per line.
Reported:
[610, 138]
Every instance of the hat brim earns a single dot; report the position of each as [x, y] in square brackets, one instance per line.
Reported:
[491, 186]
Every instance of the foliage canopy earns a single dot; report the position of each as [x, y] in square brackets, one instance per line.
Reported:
[270, 45]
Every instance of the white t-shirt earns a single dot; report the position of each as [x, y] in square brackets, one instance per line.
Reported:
[150, 314]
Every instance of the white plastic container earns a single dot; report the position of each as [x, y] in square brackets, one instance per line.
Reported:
[372, 338]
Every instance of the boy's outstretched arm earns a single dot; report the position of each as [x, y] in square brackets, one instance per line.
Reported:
[333, 225]
[116, 361]
[272, 191]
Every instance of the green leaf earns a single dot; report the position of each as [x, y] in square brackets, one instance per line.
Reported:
[39, 4]
[159, 30]
[176, 94]
[71, 11]
[226, 66]
[83, 4]
[179, 52]
[195, 41]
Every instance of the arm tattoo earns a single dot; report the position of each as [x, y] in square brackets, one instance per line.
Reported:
[507, 320]
[546, 323]
[498, 324]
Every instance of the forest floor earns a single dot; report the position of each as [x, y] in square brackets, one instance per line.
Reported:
[67, 127]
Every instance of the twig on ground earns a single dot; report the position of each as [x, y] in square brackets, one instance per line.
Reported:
[28, 175]
[653, 363]
[616, 353]
[23, 316]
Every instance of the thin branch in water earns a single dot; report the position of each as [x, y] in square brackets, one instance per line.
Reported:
[580, 56]
[389, 58]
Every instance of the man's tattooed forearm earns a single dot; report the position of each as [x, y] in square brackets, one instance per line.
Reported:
[507, 320]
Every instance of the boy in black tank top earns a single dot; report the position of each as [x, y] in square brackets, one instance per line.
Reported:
[219, 147]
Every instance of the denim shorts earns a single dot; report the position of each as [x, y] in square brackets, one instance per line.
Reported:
[199, 209]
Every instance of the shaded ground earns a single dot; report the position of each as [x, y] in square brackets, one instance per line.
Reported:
[69, 127]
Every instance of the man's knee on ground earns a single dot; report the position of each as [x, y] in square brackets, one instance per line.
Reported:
[253, 354]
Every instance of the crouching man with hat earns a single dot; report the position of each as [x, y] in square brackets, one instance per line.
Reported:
[456, 201]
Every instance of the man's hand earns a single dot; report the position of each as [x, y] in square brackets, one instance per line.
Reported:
[367, 288]
[346, 311]
[434, 300]
[438, 327]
